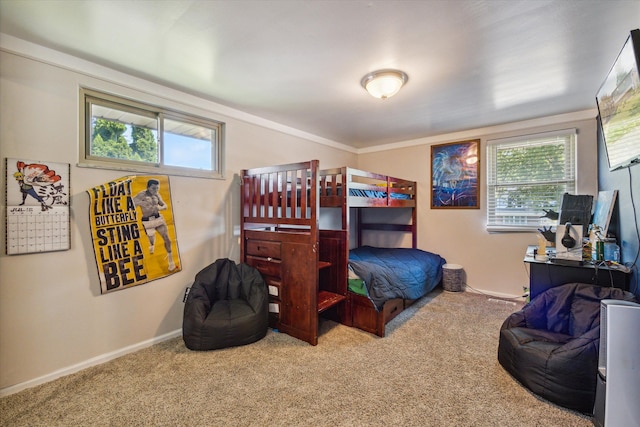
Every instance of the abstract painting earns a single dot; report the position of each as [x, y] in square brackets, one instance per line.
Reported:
[455, 175]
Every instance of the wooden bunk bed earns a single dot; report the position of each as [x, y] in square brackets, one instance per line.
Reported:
[305, 267]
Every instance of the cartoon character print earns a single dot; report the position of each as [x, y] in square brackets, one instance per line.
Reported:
[34, 179]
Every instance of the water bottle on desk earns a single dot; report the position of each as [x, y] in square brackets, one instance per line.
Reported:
[611, 250]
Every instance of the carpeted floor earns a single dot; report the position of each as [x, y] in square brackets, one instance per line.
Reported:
[437, 366]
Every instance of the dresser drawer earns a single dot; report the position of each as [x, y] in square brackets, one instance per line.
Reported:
[266, 266]
[263, 248]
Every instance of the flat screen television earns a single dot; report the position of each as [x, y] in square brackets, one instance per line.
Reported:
[618, 102]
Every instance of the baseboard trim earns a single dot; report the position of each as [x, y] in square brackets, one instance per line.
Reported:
[495, 294]
[88, 363]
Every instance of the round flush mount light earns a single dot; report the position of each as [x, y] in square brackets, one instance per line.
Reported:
[384, 84]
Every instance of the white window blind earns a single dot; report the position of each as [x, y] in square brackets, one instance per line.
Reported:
[527, 176]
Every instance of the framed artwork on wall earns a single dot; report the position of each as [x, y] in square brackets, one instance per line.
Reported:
[455, 175]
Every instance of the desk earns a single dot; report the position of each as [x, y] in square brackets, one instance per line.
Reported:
[544, 275]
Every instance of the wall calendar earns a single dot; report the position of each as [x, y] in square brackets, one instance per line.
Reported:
[37, 214]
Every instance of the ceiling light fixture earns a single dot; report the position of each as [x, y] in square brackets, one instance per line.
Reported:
[384, 84]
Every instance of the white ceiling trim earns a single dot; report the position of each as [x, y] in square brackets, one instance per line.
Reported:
[477, 133]
[71, 63]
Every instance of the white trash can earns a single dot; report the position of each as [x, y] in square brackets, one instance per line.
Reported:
[452, 277]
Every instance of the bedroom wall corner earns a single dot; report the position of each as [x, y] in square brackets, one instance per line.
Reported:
[492, 262]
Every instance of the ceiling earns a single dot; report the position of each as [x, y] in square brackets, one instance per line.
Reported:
[471, 63]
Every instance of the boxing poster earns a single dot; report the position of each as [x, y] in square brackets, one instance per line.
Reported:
[133, 231]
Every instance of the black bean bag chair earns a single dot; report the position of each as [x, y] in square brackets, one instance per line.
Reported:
[551, 345]
[227, 306]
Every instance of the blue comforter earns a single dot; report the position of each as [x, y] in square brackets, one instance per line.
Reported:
[396, 272]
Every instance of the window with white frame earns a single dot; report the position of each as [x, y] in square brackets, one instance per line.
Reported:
[119, 133]
[527, 177]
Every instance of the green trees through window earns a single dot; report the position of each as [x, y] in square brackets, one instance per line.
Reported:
[109, 139]
[125, 134]
[527, 177]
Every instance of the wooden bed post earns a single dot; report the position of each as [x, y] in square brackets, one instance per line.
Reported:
[414, 217]
[243, 198]
[344, 198]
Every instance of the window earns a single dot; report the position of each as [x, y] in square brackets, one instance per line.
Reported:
[119, 133]
[527, 176]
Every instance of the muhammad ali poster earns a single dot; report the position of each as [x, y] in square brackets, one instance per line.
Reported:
[133, 231]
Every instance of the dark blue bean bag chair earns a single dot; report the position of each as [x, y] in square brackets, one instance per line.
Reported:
[551, 345]
[227, 306]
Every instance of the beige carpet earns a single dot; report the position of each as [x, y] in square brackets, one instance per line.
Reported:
[436, 367]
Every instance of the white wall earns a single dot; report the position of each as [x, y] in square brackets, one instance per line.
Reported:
[53, 319]
[493, 262]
